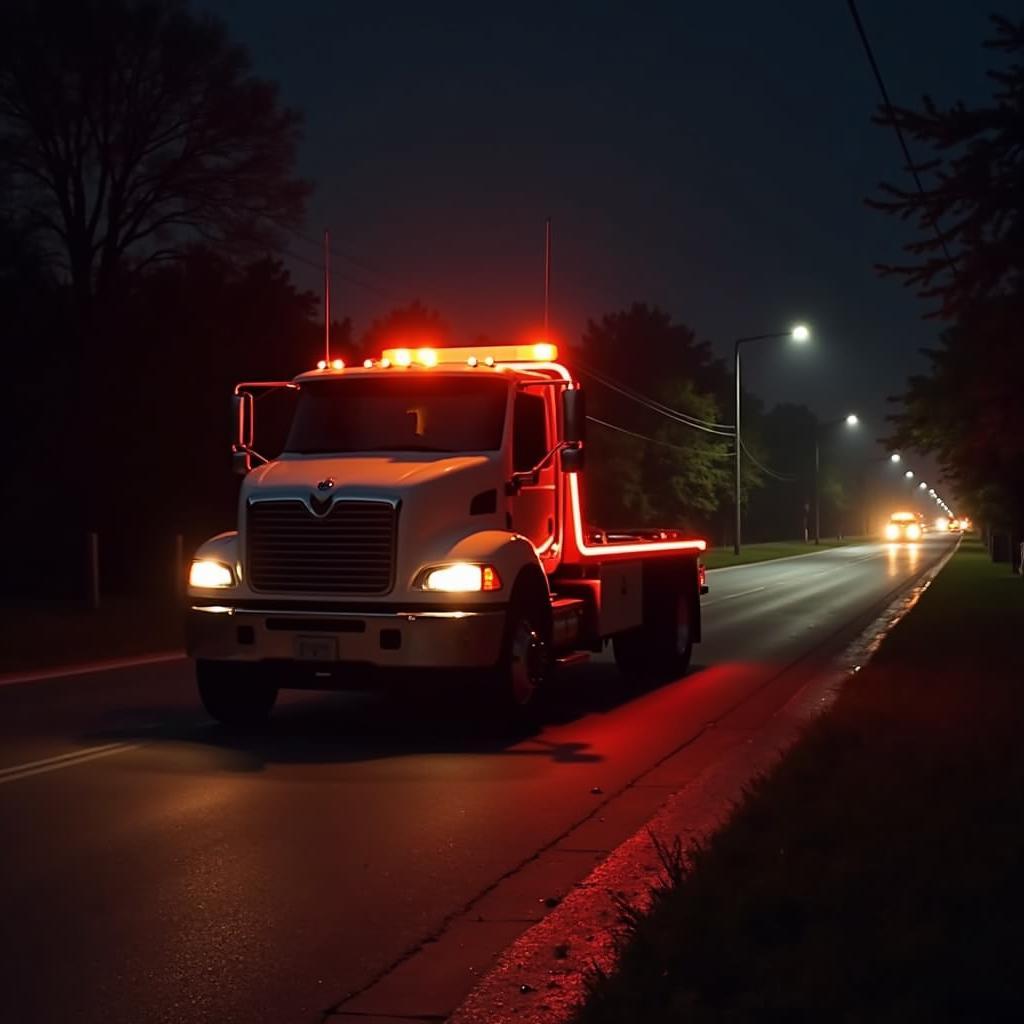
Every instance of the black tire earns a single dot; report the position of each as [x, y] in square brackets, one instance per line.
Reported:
[517, 683]
[236, 694]
[660, 649]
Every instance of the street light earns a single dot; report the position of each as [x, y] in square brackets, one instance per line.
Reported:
[895, 457]
[798, 333]
[851, 421]
[909, 474]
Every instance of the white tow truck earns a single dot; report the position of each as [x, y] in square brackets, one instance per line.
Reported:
[427, 514]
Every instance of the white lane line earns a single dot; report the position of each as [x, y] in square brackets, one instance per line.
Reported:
[90, 668]
[52, 764]
[732, 597]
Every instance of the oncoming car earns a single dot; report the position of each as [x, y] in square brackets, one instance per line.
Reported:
[903, 526]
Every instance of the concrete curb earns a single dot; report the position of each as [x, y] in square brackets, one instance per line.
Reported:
[541, 978]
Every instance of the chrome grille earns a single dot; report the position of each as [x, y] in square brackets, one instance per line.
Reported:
[351, 550]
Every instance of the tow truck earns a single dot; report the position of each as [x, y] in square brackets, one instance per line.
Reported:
[427, 513]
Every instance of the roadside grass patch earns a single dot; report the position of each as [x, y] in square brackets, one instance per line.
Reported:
[719, 558]
[877, 874]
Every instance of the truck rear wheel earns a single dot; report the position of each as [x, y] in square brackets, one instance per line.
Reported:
[236, 694]
[524, 667]
[660, 649]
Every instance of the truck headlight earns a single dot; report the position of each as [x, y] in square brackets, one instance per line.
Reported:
[913, 532]
[892, 531]
[460, 577]
[204, 572]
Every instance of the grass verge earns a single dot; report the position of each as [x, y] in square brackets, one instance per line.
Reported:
[47, 636]
[877, 874]
[719, 558]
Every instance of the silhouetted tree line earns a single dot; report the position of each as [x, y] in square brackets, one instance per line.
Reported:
[146, 187]
[967, 262]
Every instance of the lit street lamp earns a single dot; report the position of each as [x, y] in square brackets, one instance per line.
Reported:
[799, 333]
[895, 457]
[850, 421]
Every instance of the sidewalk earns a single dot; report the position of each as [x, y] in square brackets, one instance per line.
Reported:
[878, 873]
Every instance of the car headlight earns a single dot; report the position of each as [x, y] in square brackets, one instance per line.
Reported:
[460, 577]
[204, 572]
[892, 531]
[914, 532]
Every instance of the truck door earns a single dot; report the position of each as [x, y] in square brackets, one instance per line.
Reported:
[532, 510]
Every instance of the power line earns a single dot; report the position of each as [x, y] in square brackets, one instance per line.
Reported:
[387, 294]
[781, 477]
[655, 440]
[708, 427]
[890, 110]
[335, 251]
[653, 404]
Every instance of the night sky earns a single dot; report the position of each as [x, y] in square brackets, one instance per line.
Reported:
[710, 158]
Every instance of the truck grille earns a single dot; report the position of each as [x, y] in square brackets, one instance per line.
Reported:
[351, 550]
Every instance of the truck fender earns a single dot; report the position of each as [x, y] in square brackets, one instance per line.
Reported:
[222, 548]
[511, 554]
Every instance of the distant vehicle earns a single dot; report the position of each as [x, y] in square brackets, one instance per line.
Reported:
[904, 526]
[427, 514]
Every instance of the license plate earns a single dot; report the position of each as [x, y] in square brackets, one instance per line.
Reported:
[316, 648]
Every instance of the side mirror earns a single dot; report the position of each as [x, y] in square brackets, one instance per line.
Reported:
[242, 415]
[574, 416]
[241, 461]
[572, 460]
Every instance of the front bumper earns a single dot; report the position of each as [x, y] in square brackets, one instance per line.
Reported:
[391, 639]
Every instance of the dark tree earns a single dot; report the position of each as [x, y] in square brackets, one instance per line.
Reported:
[641, 346]
[409, 326]
[967, 408]
[968, 411]
[680, 474]
[973, 205]
[129, 128]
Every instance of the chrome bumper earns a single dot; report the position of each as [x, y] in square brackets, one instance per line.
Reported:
[414, 639]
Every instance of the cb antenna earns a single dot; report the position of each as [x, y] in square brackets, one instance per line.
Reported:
[547, 273]
[327, 296]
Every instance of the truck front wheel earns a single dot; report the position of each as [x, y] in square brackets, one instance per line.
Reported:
[660, 648]
[525, 664]
[236, 694]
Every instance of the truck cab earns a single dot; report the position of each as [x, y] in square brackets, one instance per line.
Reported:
[426, 514]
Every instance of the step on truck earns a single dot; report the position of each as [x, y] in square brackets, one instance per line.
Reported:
[427, 513]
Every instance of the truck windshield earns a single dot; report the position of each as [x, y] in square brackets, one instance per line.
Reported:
[405, 413]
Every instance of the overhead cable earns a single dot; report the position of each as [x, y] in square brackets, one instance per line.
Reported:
[725, 454]
[359, 265]
[385, 293]
[708, 427]
[782, 477]
[891, 112]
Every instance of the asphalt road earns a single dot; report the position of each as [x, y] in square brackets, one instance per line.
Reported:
[157, 869]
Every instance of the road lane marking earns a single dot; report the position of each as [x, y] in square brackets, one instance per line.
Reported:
[90, 668]
[70, 760]
[732, 597]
